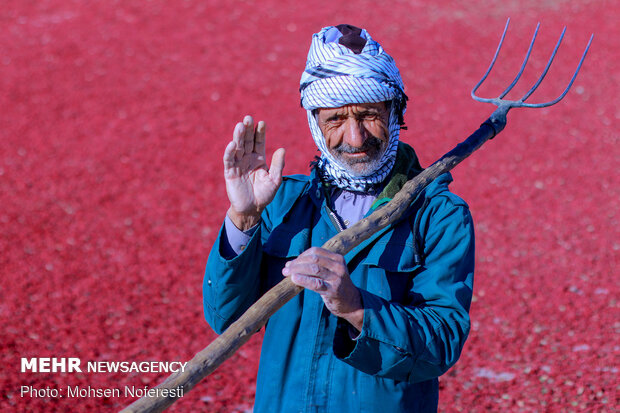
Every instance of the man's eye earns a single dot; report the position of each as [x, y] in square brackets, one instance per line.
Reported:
[334, 121]
[371, 116]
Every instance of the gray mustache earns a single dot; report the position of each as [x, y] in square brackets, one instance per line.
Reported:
[370, 144]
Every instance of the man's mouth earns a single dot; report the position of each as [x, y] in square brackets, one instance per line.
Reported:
[370, 146]
[360, 161]
[357, 157]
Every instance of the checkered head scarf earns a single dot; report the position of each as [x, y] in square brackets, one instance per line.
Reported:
[346, 66]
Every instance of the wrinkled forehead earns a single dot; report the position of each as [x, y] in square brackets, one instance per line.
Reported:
[353, 108]
[377, 107]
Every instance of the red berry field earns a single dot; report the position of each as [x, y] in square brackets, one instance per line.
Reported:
[114, 116]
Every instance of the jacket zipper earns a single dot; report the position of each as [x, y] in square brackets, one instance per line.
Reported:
[334, 218]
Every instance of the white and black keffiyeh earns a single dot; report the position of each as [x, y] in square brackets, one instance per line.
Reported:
[336, 76]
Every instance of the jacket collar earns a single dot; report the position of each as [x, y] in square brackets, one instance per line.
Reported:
[406, 167]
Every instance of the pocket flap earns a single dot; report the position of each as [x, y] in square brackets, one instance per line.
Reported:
[392, 256]
[284, 243]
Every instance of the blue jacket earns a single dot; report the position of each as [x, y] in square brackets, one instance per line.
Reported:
[415, 278]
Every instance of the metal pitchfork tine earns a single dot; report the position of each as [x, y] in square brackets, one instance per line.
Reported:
[206, 361]
[505, 105]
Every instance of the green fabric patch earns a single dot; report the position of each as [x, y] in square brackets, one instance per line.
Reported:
[406, 167]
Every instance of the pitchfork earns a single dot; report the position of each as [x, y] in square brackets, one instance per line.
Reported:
[205, 362]
[498, 118]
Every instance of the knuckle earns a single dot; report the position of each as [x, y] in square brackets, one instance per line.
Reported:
[318, 284]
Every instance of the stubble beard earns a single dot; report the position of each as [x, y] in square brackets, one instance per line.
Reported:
[362, 166]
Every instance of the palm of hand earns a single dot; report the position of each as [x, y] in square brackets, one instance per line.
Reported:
[249, 186]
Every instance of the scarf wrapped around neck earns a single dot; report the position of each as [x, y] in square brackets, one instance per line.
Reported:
[346, 66]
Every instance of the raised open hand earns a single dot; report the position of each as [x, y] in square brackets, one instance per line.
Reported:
[250, 184]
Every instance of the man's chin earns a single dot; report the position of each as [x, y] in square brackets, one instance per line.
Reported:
[360, 167]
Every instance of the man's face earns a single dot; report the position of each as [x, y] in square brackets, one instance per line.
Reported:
[356, 135]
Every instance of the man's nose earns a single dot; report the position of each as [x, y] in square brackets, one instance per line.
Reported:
[354, 133]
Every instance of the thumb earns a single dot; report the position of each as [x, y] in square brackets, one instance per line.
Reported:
[277, 165]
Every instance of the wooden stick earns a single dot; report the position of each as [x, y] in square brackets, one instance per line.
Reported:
[224, 346]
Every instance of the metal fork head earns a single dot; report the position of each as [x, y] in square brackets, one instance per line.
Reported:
[506, 104]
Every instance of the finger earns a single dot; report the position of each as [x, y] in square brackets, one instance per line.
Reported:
[309, 259]
[248, 136]
[332, 265]
[239, 138]
[259, 141]
[311, 283]
[277, 165]
[311, 269]
[323, 256]
[229, 156]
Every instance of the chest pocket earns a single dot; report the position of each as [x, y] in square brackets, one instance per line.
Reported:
[284, 243]
[387, 267]
[281, 246]
[289, 238]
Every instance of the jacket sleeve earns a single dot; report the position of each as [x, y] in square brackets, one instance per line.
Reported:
[231, 286]
[422, 338]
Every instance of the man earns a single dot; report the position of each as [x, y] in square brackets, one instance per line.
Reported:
[372, 330]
